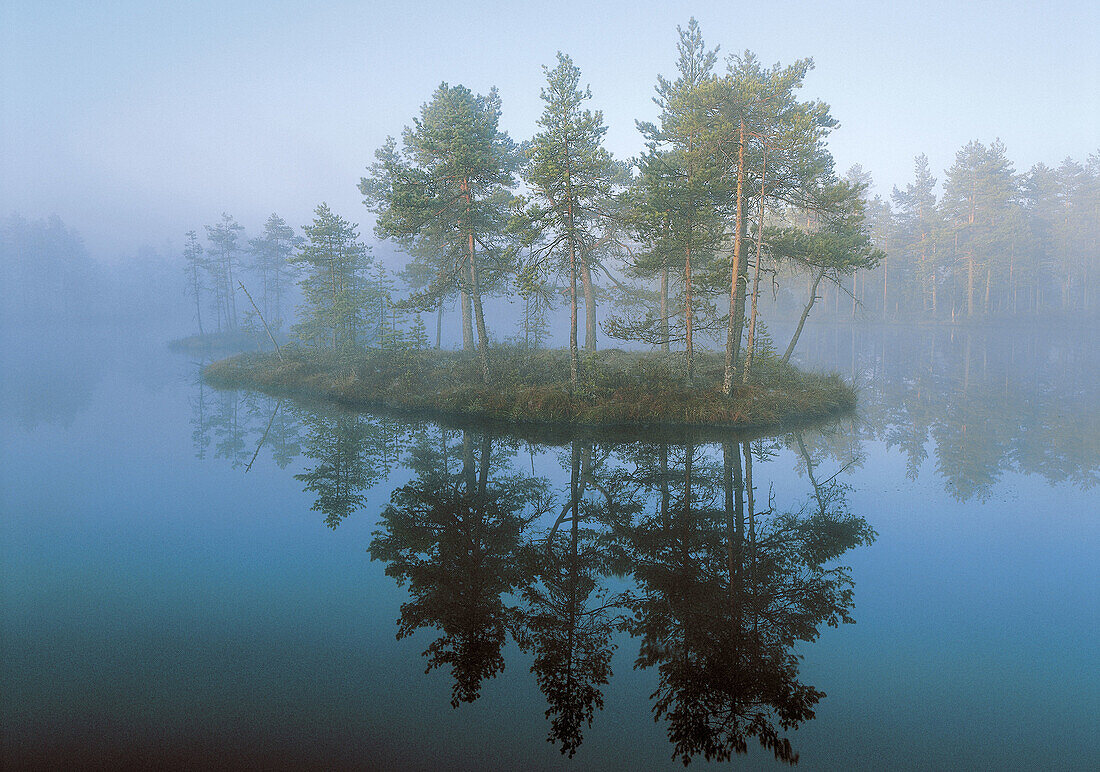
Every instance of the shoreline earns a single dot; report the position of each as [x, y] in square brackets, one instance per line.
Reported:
[621, 394]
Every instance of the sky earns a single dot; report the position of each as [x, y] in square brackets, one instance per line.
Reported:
[138, 121]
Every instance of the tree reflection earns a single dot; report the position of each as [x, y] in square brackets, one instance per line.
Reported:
[351, 451]
[716, 588]
[457, 539]
[229, 420]
[679, 548]
[979, 403]
[724, 592]
[569, 617]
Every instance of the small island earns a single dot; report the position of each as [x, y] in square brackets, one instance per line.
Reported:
[616, 389]
[734, 198]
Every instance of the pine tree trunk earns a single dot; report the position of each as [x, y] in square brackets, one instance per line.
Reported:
[885, 284]
[935, 303]
[198, 304]
[739, 311]
[479, 316]
[573, 354]
[439, 324]
[217, 304]
[756, 272]
[332, 278]
[263, 281]
[970, 285]
[467, 322]
[664, 310]
[229, 288]
[278, 318]
[688, 340]
[735, 271]
[805, 313]
[589, 307]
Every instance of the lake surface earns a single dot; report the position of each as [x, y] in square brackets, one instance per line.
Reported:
[190, 576]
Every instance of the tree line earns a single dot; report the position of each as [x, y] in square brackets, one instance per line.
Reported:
[993, 243]
[735, 178]
[735, 194]
[346, 298]
[49, 278]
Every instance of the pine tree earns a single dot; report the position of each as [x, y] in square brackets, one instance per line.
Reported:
[224, 247]
[978, 193]
[271, 255]
[193, 268]
[335, 289]
[451, 182]
[538, 299]
[681, 180]
[838, 245]
[1074, 233]
[572, 177]
[772, 144]
[918, 224]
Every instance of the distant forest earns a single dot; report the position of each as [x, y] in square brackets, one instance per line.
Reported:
[48, 278]
[995, 243]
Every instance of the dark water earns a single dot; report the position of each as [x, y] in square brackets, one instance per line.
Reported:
[199, 578]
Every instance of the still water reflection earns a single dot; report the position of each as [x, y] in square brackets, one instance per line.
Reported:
[191, 574]
[712, 581]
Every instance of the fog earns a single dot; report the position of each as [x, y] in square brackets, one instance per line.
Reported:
[129, 126]
[309, 570]
[137, 122]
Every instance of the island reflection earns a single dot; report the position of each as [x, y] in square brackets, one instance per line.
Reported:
[684, 556]
[571, 551]
[715, 586]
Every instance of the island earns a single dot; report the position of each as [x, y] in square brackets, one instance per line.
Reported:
[616, 389]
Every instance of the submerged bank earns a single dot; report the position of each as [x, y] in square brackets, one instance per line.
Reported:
[237, 340]
[617, 389]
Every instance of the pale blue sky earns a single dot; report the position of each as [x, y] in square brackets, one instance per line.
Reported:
[136, 121]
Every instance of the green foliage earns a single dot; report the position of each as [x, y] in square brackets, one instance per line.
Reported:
[538, 299]
[840, 245]
[570, 172]
[978, 196]
[677, 204]
[572, 178]
[334, 284]
[916, 226]
[272, 253]
[444, 195]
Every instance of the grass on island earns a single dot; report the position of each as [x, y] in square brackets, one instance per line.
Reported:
[617, 388]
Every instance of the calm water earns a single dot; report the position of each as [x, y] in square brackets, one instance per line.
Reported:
[190, 575]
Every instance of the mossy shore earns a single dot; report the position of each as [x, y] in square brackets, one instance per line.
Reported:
[618, 389]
